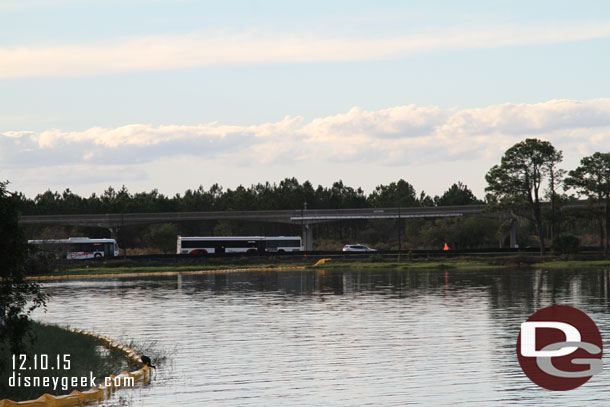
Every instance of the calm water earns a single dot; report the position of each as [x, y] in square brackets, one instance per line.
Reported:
[336, 338]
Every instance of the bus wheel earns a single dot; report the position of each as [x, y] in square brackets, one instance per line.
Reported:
[97, 256]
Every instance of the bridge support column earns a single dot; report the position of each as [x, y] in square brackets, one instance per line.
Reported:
[308, 237]
[114, 233]
[513, 235]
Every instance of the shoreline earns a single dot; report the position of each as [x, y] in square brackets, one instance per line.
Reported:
[109, 270]
[56, 357]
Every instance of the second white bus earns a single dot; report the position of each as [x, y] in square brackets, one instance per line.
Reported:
[238, 244]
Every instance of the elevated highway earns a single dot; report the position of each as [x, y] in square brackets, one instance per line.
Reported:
[305, 218]
[114, 220]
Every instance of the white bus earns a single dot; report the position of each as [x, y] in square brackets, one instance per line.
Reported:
[79, 248]
[238, 244]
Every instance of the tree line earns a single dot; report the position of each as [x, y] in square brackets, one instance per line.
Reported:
[527, 175]
[288, 194]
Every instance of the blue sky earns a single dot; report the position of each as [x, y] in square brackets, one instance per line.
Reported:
[174, 94]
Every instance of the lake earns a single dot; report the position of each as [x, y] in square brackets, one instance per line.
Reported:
[340, 338]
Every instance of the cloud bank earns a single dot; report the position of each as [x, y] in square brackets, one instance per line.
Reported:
[397, 136]
[427, 145]
[154, 53]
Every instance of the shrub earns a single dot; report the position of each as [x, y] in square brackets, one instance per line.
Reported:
[162, 237]
[565, 243]
[376, 258]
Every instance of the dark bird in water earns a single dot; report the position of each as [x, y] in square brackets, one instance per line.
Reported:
[146, 361]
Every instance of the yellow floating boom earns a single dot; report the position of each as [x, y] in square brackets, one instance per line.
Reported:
[95, 394]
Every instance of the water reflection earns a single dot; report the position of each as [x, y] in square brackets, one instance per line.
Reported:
[341, 338]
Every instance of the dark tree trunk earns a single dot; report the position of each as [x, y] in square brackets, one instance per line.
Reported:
[539, 228]
[555, 229]
[607, 225]
[601, 231]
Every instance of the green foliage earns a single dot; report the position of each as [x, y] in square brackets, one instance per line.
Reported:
[42, 262]
[18, 297]
[458, 233]
[162, 237]
[527, 173]
[461, 233]
[521, 175]
[288, 194]
[223, 228]
[375, 258]
[457, 194]
[518, 182]
[592, 179]
[565, 243]
[426, 200]
[84, 356]
[396, 193]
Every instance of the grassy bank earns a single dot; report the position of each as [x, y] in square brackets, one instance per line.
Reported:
[120, 266]
[547, 262]
[131, 268]
[138, 271]
[165, 269]
[566, 264]
[68, 354]
[406, 265]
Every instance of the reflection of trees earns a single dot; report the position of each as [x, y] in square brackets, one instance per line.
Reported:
[524, 290]
[517, 291]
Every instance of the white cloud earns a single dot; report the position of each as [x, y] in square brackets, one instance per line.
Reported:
[392, 136]
[402, 121]
[213, 49]
[359, 144]
[519, 119]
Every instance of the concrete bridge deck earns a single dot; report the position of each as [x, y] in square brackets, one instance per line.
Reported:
[305, 218]
[115, 220]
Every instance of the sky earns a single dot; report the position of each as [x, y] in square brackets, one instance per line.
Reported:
[171, 95]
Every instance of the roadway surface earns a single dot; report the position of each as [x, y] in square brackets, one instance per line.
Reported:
[117, 220]
[338, 255]
[309, 216]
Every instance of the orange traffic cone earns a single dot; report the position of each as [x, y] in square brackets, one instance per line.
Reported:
[446, 247]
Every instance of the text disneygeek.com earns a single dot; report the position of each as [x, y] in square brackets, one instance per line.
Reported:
[22, 364]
